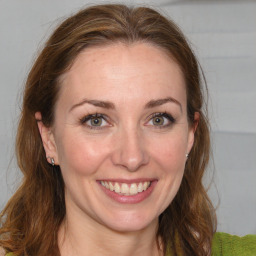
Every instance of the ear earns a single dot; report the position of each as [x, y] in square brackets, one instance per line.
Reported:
[47, 139]
[192, 130]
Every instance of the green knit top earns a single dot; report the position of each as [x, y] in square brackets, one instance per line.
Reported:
[228, 245]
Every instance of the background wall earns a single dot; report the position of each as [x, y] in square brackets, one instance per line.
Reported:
[223, 35]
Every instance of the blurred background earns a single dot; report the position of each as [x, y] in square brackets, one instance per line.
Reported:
[223, 36]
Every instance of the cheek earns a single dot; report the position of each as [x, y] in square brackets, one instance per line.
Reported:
[170, 152]
[80, 155]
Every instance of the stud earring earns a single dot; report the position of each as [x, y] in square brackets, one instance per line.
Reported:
[187, 156]
[52, 160]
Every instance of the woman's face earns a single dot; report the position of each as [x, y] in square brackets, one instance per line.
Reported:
[121, 135]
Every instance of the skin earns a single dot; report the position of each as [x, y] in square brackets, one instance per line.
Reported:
[129, 144]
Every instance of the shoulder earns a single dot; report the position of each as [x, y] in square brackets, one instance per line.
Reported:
[226, 244]
[3, 253]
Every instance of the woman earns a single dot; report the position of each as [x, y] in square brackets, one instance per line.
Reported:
[113, 143]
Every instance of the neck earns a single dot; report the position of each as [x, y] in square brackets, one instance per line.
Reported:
[92, 238]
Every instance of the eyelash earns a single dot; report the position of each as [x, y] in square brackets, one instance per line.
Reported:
[89, 117]
[93, 116]
[169, 117]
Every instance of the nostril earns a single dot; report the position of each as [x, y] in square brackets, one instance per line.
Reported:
[129, 150]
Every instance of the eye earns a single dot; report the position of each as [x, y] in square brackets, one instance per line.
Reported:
[158, 120]
[95, 121]
[161, 120]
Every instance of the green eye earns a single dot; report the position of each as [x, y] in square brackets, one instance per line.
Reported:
[161, 120]
[158, 120]
[96, 121]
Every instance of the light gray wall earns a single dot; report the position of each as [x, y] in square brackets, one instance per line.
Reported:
[223, 35]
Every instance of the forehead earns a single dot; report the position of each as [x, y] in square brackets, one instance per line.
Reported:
[114, 54]
[103, 71]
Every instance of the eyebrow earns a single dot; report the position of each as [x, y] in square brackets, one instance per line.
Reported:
[110, 105]
[96, 103]
[159, 102]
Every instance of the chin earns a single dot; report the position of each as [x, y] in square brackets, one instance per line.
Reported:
[131, 222]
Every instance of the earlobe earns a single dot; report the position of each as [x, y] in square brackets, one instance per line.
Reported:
[47, 139]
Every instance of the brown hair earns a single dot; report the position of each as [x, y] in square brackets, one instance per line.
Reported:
[31, 219]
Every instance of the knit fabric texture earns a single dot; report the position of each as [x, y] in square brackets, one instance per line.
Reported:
[228, 245]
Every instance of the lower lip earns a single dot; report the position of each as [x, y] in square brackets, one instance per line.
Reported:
[132, 199]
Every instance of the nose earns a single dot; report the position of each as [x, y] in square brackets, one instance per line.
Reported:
[130, 150]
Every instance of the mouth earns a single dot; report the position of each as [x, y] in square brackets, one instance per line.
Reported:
[126, 189]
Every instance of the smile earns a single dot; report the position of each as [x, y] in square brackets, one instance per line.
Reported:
[126, 189]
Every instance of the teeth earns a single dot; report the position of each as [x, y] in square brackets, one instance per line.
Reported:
[107, 185]
[117, 188]
[145, 185]
[133, 189]
[111, 187]
[140, 187]
[125, 189]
